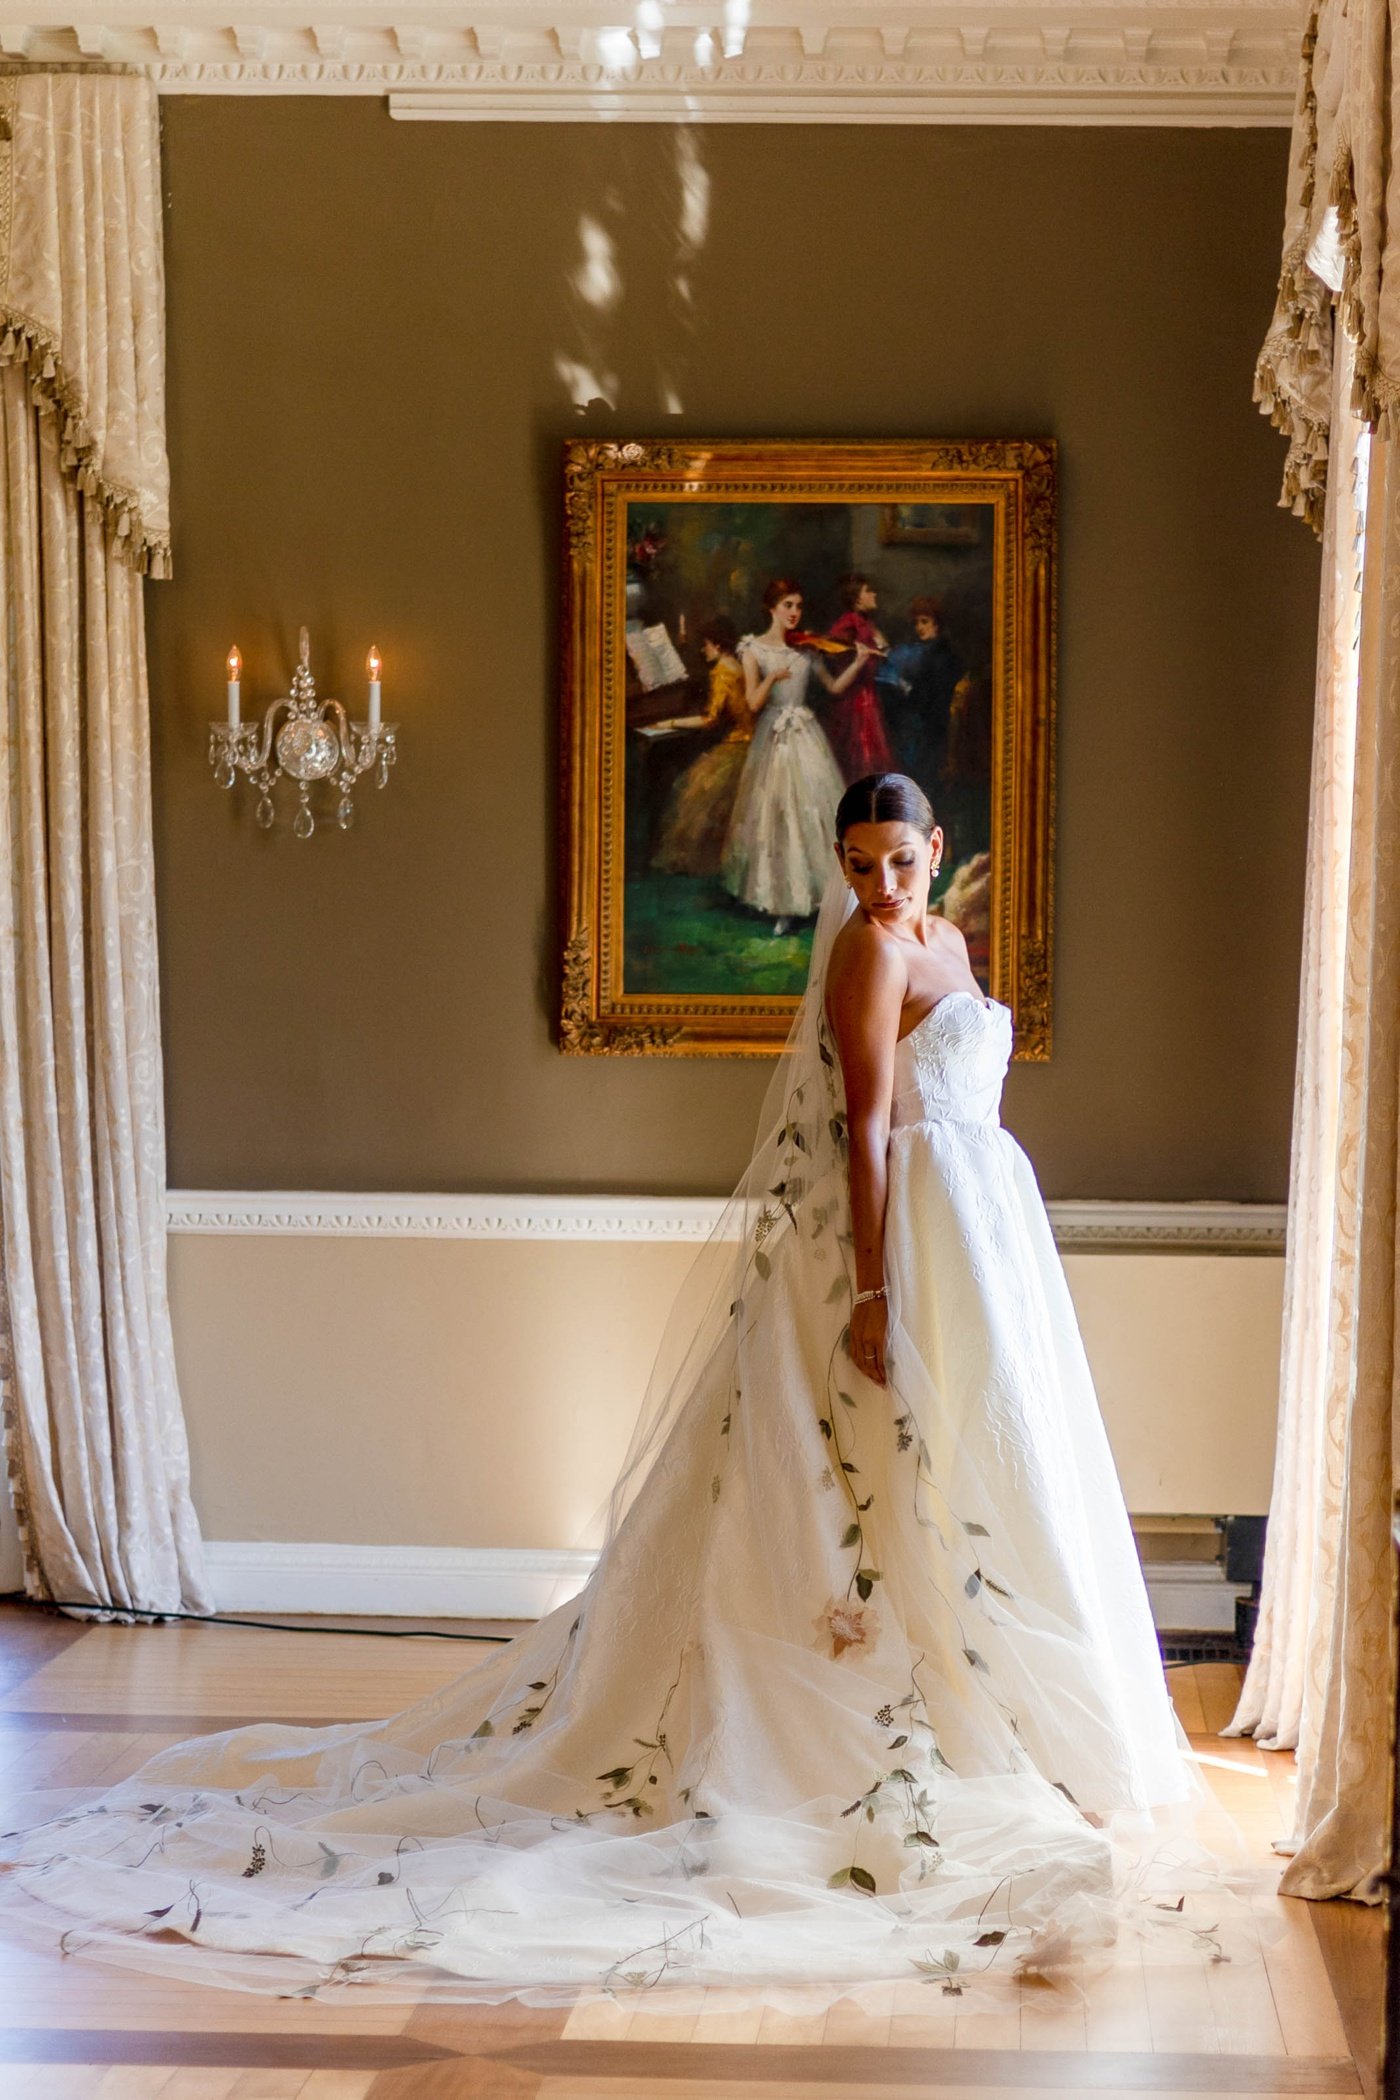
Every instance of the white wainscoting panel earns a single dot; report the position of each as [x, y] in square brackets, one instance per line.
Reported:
[457, 1378]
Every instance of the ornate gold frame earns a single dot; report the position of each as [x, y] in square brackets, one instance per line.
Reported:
[1017, 475]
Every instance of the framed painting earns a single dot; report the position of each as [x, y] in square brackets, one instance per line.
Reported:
[716, 703]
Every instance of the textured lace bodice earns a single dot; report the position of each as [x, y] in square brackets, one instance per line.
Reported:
[951, 1066]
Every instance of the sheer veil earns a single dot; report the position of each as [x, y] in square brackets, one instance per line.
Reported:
[862, 1686]
[799, 1147]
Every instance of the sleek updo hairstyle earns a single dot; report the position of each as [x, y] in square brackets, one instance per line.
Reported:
[780, 587]
[884, 798]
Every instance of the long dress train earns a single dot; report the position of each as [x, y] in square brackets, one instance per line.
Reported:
[863, 1685]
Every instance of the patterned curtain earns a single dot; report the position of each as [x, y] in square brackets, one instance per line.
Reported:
[1322, 1669]
[1344, 1739]
[93, 1426]
[1292, 1638]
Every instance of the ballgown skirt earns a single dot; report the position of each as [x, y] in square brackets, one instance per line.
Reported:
[863, 1685]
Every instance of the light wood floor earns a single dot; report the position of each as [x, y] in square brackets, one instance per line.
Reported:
[83, 1704]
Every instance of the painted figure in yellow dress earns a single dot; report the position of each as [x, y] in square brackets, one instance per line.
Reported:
[696, 818]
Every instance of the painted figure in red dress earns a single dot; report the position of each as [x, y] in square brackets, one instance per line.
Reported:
[855, 722]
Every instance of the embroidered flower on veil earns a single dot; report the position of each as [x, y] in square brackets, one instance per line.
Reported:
[847, 1625]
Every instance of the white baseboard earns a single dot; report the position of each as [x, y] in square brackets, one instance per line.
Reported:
[421, 1582]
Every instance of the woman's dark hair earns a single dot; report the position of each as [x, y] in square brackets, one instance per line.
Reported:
[722, 632]
[884, 798]
[780, 587]
[850, 588]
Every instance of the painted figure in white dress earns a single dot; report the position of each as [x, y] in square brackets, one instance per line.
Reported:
[778, 852]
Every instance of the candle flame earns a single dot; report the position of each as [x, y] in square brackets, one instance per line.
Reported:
[374, 664]
[235, 665]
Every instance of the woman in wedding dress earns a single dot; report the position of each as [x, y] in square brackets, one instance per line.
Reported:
[864, 1684]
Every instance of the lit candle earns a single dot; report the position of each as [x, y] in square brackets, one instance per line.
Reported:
[374, 664]
[235, 673]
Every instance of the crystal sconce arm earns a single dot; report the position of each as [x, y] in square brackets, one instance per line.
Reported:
[316, 740]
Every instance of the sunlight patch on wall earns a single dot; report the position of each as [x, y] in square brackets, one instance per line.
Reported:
[583, 385]
[694, 179]
[692, 228]
[596, 280]
[589, 369]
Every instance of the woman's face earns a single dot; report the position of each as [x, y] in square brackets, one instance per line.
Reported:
[889, 867]
[788, 611]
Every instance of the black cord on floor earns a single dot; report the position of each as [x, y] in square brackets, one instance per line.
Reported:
[207, 1618]
[381, 1633]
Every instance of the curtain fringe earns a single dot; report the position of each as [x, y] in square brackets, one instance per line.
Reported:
[27, 342]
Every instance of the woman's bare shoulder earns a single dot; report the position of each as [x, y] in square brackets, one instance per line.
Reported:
[863, 957]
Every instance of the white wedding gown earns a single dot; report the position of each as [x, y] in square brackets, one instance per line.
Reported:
[854, 1672]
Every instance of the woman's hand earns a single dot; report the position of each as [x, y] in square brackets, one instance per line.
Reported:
[869, 1329]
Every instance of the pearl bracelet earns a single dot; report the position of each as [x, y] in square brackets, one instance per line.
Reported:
[864, 1297]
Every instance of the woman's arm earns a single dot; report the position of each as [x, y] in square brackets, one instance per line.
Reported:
[838, 685]
[865, 993]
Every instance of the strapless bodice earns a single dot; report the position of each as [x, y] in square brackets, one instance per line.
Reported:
[951, 1065]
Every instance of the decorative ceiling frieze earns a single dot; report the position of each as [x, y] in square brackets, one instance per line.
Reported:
[718, 61]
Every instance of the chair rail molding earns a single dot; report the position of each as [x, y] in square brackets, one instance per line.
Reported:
[1192, 1228]
[828, 61]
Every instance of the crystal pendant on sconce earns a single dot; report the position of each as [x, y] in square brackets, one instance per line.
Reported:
[381, 778]
[225, 776]
[266, 814]
[303, 823]
[345, 815]
[308, 750]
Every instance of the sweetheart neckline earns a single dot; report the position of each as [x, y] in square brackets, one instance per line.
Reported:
[990, 1004]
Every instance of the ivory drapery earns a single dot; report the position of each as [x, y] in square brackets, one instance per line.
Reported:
[1344, 1765]
[1283, 1682]
[93, 1425]
[1321, 1674]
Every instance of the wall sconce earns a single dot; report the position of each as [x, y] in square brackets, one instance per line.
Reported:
[317, 741]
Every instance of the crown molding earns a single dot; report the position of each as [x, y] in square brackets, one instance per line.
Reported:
[1210, 1228]
[1164, 63]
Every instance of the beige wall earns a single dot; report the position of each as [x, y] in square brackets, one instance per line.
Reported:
[480, 1393]
[371, 326]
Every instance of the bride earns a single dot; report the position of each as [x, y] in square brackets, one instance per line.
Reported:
[864, 1684]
